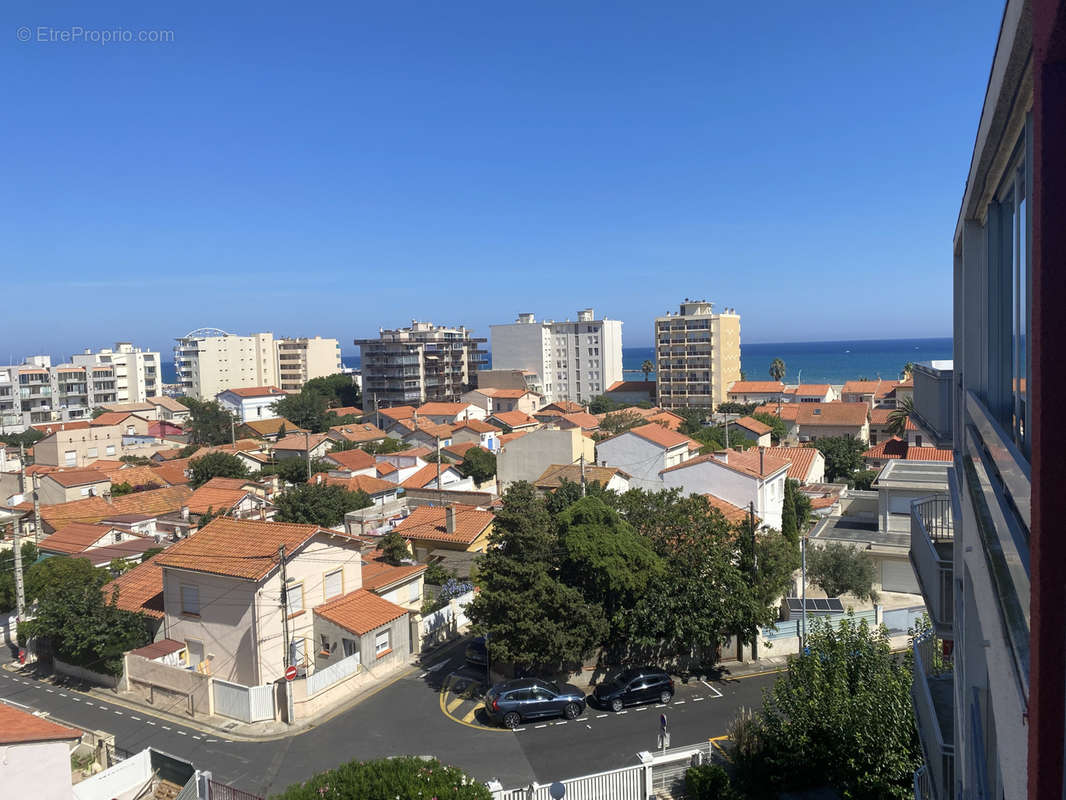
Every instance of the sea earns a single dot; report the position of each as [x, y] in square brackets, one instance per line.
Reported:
[805, 362]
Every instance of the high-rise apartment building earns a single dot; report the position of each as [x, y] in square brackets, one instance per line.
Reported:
[988, 690]
[210, 360]
[301, 359]
[37, 392]
[416, 364]
[573, 360]
[137, 371]
[697, 355]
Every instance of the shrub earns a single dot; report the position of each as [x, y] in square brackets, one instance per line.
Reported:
[404, 777]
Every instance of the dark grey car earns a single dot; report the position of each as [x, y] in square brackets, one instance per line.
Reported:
[513, 702]
[638, 685]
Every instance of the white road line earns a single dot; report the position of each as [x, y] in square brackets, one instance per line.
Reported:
[518, 730]
[76, 700]
[149, 723]
[62, 694]
[642, 708]
[89, 704]
[600, 716]
[164, 727]
[12, 702]
[660, 705]
[545, 725]
[211, 740]
[197, 737]
[716, 692]
[622, 712]
[134, 716]
[697, 699]
[562, 722]
[50, 691]
[117, 712]
[678, 702]
[182, 733]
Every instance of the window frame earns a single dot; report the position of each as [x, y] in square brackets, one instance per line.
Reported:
[379, 651]
[190, 588]
[288, 596]
[325, 583]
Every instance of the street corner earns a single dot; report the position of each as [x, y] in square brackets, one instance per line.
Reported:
[462, 701]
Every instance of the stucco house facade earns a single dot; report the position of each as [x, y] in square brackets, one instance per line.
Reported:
[644, 452]
[526, 458]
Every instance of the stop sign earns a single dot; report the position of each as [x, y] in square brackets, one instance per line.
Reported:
[290, 674]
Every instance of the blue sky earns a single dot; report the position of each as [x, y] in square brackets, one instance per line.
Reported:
[333, 168]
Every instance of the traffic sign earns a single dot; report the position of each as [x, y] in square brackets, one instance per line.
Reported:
[290, 674]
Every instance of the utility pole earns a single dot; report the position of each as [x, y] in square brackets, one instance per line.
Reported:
[307, 450]
[287, 646]
[232, 430]
[803, 587]
[20, 589]
[440, 494]
[36, 510]
[582, 474]
[754, 575]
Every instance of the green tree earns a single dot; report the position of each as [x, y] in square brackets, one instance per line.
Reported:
[840, 716]
[647, 368]
[339, 389]
[777, 425]
[218, 464]
[838, 568]
[777, 369]
[602, 404]
[61, 575]
[28, 438]
[864, 479]
[188, 450]
[8, 601]
[618, 421]
[604, 557]
[209, 423]
[907, 372]
[387, 445]
[843, 456]
[308, 410]
[802, 505]
[394, 548]
[321, 504]
[402, 776]
[478, 464]
[789, 525]
[709, 782]
[119, 489]
[294, 470]
[433, 458]
[731, 407]
[532, 618]
[897, 419]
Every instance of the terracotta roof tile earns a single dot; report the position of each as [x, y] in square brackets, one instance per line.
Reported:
[632, 386]
[834, 414]
[385, 468]
[898, 448]
[411, 452]
[581, 419]
[477, 425]
[458, 449]
[801, 459]
[657, 434]
[553, 476]
[270, 427]
[256, 391]
[360, 611]
[241, 484]
[358, 483]
[747, 462]
[174, 474]
[94, 509]
[757, 387]
[352, 460]
[78, 477]
[443, 409]
[111, 418]
[137, 476]
[506, 394]
[299, 441]
[48, 428]
[881, 416]
[514, 419]
[218, 500]
[347, 411]
[169, 403]
[753, 425]
[377, 574]
[784, 411]
[360, 432]
[425, 476]
[733, 514]
[426, 523]
[861, 387]
[812, 389]
[74, 538]
[397, 412]
[140, 589]
[21, 727]
[510, 437]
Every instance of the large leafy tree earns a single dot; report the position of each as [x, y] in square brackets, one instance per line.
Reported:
[339, 389]
[294, 470]
[394, 549]
[839, 568]
[209, 423]
[308, 410]
[532, 618]
[789, 524]
[402, 776]
[843, 456]
[777, 425]
[216, 465]
[840, 716]
[28, 438]
[319, 504]
[28, 550]
[387, 445]
[619, 421]
[478, 464]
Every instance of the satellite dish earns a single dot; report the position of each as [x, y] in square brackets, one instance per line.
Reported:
[557, 791]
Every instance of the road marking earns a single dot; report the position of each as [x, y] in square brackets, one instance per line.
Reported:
[454, 704]
[76, 699]
[545, 725]
[600, 716]
[561, 722]
[117, 712]
[134, 716]
[62, 694]
[518, 730]
[50, 691]
[623, 712]
[678, 702]
[470, 715]
[697, 699]
[642, 708]
[12, 702]
[164, 727]
[149, 723]
[197, 737]
[182, 733]
[90, 704]
[210, 740]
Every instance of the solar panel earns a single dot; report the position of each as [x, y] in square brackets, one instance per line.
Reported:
[815, 605]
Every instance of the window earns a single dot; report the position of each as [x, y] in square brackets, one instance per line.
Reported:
[294, 598]
[70, 458]
[382, 644]
[351, 647]
[91, 452]
[109, 450]
[190, 600]
[918, 440]
[334, 583]
[324, 644]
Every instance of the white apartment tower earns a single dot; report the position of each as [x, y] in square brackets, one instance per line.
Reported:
[573, 360]
[301, 359]
[697, 355]
[209, 360]
[137, 371]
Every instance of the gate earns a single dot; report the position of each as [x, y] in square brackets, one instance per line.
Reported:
[618, 784]
[246, 703]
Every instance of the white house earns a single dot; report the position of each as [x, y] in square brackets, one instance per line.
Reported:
[644, 452]
[610, 478]
[250, 403]
[525, 458]
[450, 478]
[398, 467]
[504, 400]
[808, 463]
[751, 430]
[756, 391]
[739, 478]
[449, 413]
[811, 393]
[479, 432]
[35, 755]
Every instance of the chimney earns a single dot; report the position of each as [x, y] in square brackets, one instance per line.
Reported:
[449, 519]
[762, 460]
[184, 512]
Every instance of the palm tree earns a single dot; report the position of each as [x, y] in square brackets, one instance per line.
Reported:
[647, 368]
[908, 369]
[897, 420]
[777, 369]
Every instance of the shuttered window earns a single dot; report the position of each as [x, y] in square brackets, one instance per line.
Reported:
[334, 583]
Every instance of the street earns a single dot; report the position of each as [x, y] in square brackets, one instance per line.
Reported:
[410, 716]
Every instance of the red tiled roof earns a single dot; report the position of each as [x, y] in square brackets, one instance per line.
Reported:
[270, 427]
[241, 484]
[397, 412]
[173, 474]
[425, 476]
[747, 462]
[385, 468]
[79, 477]
[478, 426]
[582, 419]
[507, 394]
[812, 389]
[801, 457]
[514, 419]
[753, 425]
[164, 647]
[106, 465]
[360, 432]
[21, 727]
[757, 387]
[49, 428]
[377, 574]
[881, 416]
[76, 537]
[898, 448]
[861, 387]
[426, 523]
[632, 386]
[299, 441]
[359, 483]
[733, 514]
[657, 434]
[112, 418]
[360, 611]
[784, 411]
[352, 460]
[140, 589]
[239, 548]
[255, 391]
[510, 437]
[553, 476]
[169, 403]
[563, 407]
[458, 449]
[415, 452]
[94, 509]
[215, 499]
[835, 414]
[138, 476]
[347, 411]
[443, 409]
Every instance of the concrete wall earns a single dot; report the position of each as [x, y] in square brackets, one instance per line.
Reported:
[90, 444]
[169, 688]
[39, 770]
[428, 497]
[932, 401]
[86, 675]
[51, 491]
[526, 458]
[122, 781]
[815, 432]
[640, 458]
[734, 487]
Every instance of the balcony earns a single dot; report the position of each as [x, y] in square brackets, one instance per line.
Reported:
[933, 696]
[932, 541]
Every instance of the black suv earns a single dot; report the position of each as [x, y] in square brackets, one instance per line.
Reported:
[632, 686]
[513, 702]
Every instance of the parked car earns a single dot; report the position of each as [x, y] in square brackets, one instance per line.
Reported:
[513, 702]
[633, 686]
[477, 652]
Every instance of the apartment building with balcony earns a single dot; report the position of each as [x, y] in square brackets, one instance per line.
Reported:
[697, 355]
[38, 392]
[209, 361]
[136, 371]
[989, 695]
[302, 359]
[572, 360]
[424, 362]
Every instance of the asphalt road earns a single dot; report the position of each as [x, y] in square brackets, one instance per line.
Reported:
[408, 717]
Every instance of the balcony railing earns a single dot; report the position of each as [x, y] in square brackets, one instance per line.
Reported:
[933, 697]
[932, 541]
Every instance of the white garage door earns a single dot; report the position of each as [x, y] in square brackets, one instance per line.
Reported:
[899, 505]
[897, 575]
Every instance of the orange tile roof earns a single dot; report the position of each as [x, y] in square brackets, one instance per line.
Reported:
[360, 432]
[514, 419]
[898, 448]
[478, 426]
[270, 427]
[299, 441]
[667, 418]
[21, 727]
[507, 394]
[347, 411]
[385, 468]
[582, 419]
[632, 386]
[238, 548]
[77, 537]
[553, 476]
[733, 514]
[812, 389]
[351, 459]
[784, 411]
[111, 418]
[78, 477]
[105, 465]
[94, 509]
[657, 434]
[835, 414]
[563, 407]
[411, 452]
[217, 500]
[426, 426]
[426, 523]
[169, 454]
[425, 476]
[757, 387]
[801, 458]
[458, 449]
[358, 483]
[753, 425]
[377, 574]
[397, 412]
[443, 409]
[137, 476]
[881, 416]
[360, 611]
[255, 391]
[510, 437]
[171, 473]
[746, 462]
[169, 403]
[861, 387]
[48, 428]
[140, 589]
[928, 454]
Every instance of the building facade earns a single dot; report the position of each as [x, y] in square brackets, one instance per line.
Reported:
[573, 360]
[38, 392]
[137, 371]
[990, 560]
[300, 360]
[697, 355]
[209, 360]
[417, 364]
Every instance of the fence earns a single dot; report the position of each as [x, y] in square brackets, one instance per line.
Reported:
[792, 628]
[220, 791]
[246, 703]
[441, 625]
[322, 679]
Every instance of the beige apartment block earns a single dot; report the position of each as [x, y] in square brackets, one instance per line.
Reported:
[75, 444]
[210, 361]
[697, 355]
[302, 359]
[137, 371]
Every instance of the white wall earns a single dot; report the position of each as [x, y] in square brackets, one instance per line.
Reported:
[522, 346]
[37, 770]
[639, 457]
[119, 782]
[526, 458]
[738, 488]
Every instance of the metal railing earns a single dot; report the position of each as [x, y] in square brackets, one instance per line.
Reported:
[932, 533]
[923, 788]
[930, 667]
[936, 517]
